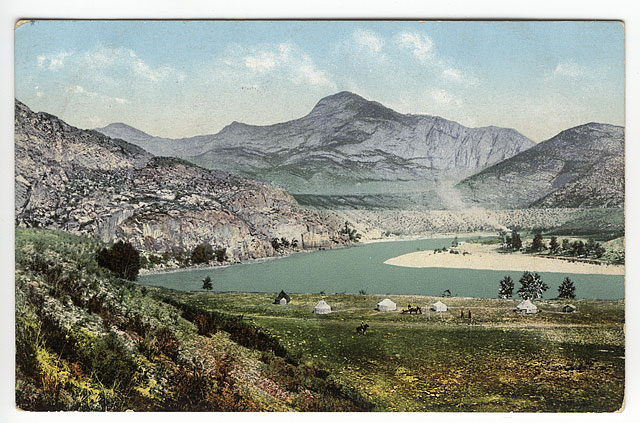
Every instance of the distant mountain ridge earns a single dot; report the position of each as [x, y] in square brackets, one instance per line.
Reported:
[87, 183]
[344, 142]
[580, 167]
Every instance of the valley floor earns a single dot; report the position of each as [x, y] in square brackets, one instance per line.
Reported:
[497, 360]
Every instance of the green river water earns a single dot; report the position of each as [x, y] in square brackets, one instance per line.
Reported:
[349, 270]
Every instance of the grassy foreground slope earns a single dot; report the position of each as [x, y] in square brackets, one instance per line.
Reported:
[495, 361]
[87, 340]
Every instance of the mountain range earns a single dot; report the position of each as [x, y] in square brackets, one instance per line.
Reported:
[351, 153]
[345, 145]
[86, 183]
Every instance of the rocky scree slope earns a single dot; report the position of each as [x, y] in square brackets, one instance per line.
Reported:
[86, 183]
[344, 140]
[579, 167]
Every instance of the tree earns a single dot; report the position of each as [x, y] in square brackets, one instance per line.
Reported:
[565, 245]
[537, 244]
[553, 245]
[207, 284]
[567, 289]
[577, 249]
[454, 243]
[516, 242]
[502, 234]
[122, 258]
[506, 288]
[203, 253]
[351, 232]
[275, 243]
[531, 286]
[221, 254]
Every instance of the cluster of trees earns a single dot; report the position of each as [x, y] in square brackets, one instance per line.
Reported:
[575, 249]
[204, 253]
[512, 242]
[283, 243]
[533, 287]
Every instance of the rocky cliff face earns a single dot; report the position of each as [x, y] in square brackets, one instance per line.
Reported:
[580, 167]
[344, 140]
[86, 183]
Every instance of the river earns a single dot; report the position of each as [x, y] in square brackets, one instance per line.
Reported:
[350, 270]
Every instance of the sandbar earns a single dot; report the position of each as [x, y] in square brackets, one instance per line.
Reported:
[497, 261]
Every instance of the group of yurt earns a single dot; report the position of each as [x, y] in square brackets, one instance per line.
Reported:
[525, 307]
[386, 305]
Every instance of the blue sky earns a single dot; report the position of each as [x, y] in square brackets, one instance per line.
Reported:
[184, 78]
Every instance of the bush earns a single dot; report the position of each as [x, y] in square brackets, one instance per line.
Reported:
[203, 253]
[122, 258]
[111, 363]
[221, 254]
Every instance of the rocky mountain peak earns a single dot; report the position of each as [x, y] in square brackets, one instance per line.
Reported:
[349, 105]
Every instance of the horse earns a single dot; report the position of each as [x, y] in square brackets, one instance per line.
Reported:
[362, 329]
[412, 310]
[416, 310]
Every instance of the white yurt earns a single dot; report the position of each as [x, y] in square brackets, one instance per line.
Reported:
[527, 307]
[386, 305]
[439, 306]
[569, 308]
[322, 308]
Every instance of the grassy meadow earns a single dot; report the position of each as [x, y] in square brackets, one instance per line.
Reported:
[496, 361]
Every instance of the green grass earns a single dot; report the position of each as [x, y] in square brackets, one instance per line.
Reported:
[497, 361]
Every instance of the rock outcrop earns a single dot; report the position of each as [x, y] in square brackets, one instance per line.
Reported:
[86, 183]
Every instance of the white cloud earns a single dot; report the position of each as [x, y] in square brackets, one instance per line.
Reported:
[313, 76]
[420, 45]
[568, 69]
[261, 62]
[369, 40]
[53, 63]
[106, 59]
[285, 59]
[78, 89]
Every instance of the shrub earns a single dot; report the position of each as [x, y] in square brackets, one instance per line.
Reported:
[111, 363]
[206, 283]
[203, 253]
[122, 258]
[221, 254]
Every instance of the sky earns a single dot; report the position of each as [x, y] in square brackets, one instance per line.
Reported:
[184, 78]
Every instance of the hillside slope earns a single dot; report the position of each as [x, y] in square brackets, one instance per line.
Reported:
[88, 341]
[579, 167]
[86, 183]
[346, 144]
